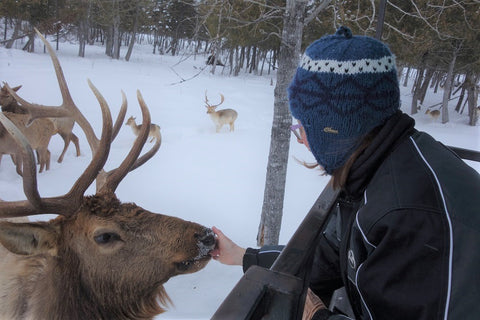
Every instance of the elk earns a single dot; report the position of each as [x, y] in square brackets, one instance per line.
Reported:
[154, 131]
[38, 134]
[63, 126]
[9, 146]
[100, 258]
[433, 113]
[221, 117]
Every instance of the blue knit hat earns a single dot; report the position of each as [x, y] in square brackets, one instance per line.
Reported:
[344, 87]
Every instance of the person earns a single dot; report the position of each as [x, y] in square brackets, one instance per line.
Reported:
[403, 236]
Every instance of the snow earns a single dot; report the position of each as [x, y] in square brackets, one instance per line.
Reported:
[216, 179]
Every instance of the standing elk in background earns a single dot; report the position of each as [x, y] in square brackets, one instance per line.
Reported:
[8, 102]
[63, 126]
[221, 117]
[38, 133]
[100, 258]
[154, 131]
[10, 147]
[433, 113]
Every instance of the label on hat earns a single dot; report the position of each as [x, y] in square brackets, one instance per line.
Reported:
[330, 130]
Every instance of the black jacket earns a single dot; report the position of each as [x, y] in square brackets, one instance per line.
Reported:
[403, 236]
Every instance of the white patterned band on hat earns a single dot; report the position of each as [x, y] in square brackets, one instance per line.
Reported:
[385, 64]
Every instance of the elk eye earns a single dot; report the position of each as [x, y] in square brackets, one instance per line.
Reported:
[106, 237]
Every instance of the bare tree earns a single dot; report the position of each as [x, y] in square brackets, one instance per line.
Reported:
[83, 26]
[134, 32]
[291, 41]
[116, 29]
[448, 82]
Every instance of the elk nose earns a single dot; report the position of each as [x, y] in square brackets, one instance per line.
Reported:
[207, 237]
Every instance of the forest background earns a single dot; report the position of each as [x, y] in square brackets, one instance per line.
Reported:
[429, 36]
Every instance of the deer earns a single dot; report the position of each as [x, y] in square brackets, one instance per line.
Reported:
[63, 126]
[221, 117]
[154, 131]
[100, 258]
[38, 134]
[9, 146]
[433, 113]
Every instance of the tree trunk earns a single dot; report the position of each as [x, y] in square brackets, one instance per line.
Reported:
[5, 28]
[240, 60]
[30, 45]
[407, 75]
[83, 29]
[463, 88]
[460, 99]
[448, 88]
[230, 59]
[424, 87]
[116, 31]
[264, 58]
[16, 31]
[272, 210]
[216, 44]
[134, 33]
[472, 99]
[109, 41]
[416, 90]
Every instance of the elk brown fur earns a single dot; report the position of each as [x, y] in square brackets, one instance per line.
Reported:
[108, 261]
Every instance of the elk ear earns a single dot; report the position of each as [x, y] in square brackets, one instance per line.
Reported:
[17, 88]
[28, 238]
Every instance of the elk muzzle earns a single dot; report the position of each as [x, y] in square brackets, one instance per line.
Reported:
[205, 242]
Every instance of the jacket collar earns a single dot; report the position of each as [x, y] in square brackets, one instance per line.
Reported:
[396, 129]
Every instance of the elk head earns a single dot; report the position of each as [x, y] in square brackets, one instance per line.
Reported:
[8, 102]
[100, 258]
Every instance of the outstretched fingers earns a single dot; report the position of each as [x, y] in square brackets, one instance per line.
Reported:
[227, 251]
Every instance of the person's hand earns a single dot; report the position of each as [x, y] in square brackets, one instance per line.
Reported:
[312, 305]
[227, 251]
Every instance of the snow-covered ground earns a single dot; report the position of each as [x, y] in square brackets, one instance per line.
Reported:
[211, 178]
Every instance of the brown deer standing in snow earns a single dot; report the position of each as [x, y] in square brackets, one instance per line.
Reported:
[63, 126]
[38, 134]
[154, 131]
[434, 114]
[221, 117]
[100, 258]
[9, 146]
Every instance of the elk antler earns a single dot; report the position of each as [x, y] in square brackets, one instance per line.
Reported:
[208, 105]
[131, 162]
[69, 203]
[68, 107]
[29, 168]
